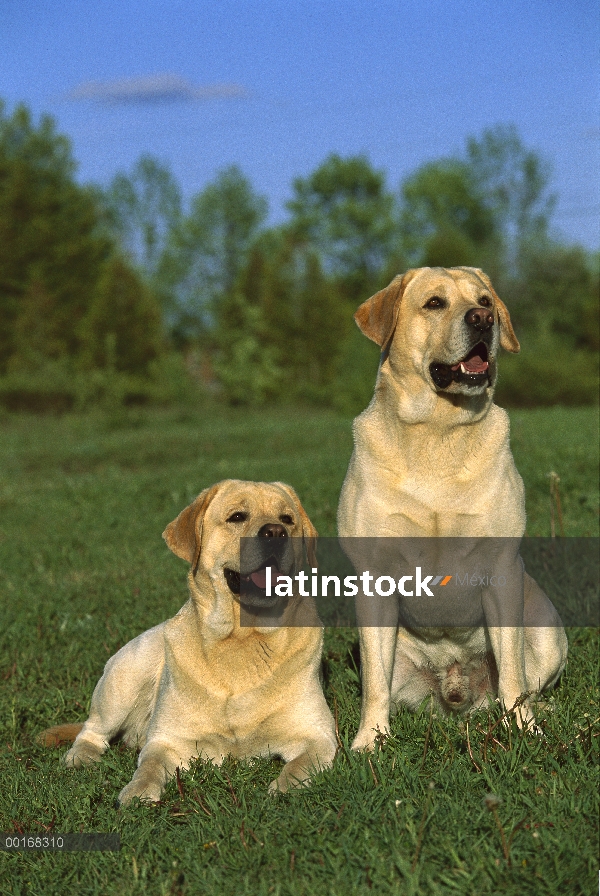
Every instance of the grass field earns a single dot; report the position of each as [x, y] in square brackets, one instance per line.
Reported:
[83, 502]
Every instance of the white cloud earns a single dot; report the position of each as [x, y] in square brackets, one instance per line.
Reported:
[153, 88]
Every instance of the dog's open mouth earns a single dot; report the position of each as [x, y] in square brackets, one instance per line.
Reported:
[472, 370]
[252, 588]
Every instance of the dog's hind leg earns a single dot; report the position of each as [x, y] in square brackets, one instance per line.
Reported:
[122, 700]
[545, 639]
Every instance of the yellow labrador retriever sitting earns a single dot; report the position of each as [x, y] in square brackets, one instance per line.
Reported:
[205, 683]
[432, 458]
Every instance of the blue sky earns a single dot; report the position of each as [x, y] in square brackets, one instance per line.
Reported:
[276, 86]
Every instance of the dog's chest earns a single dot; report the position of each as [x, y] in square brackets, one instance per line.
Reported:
[468, 497]
[424, 479]
[240, 667]
[247, 701]
[400, 504]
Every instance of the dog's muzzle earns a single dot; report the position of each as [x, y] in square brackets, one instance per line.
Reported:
[251, 588]
[270, 548]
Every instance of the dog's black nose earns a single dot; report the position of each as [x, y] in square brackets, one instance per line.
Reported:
[272, 530]
[479, 318]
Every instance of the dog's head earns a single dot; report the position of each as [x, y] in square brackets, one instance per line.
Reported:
[446, 324]
[207, 534]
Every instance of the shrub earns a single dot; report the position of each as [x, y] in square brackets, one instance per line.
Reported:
[547, 372]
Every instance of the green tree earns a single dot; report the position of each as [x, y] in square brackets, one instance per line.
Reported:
[513, 182]
[207, 252]
[122, 328]
[445, 220]
[35, 337]
[307, 315]
[344, 212]
[245, 361]
[558, 295]
[142, 209]
[51, 250]
[488, 208]
[287, 319]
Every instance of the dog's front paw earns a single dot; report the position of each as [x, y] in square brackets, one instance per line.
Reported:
[83, 753]
[278, 785]
[366, 739]
[525, 718]
[287, 781]
[528, 724]
[148, 792]
[297, 772]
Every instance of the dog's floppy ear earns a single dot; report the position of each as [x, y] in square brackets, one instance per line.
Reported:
[184, 534]
[309, 533]
[508, 339]
[376, 317]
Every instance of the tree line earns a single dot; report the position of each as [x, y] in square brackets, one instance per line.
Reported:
[97, 281]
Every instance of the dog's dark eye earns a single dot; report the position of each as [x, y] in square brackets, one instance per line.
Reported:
[485, 301]
[238, 517]
[287, 519]
[435, 302]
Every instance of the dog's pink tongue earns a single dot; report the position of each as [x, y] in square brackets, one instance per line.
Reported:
[472, 365]
[476, 364]
[260, 578]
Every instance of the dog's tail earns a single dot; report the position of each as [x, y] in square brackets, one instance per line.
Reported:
[59, 734]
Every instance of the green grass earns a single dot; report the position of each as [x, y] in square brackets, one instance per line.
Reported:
[83, 501]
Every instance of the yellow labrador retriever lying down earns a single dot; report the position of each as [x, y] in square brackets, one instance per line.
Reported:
[432, 458]
[204, 685]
